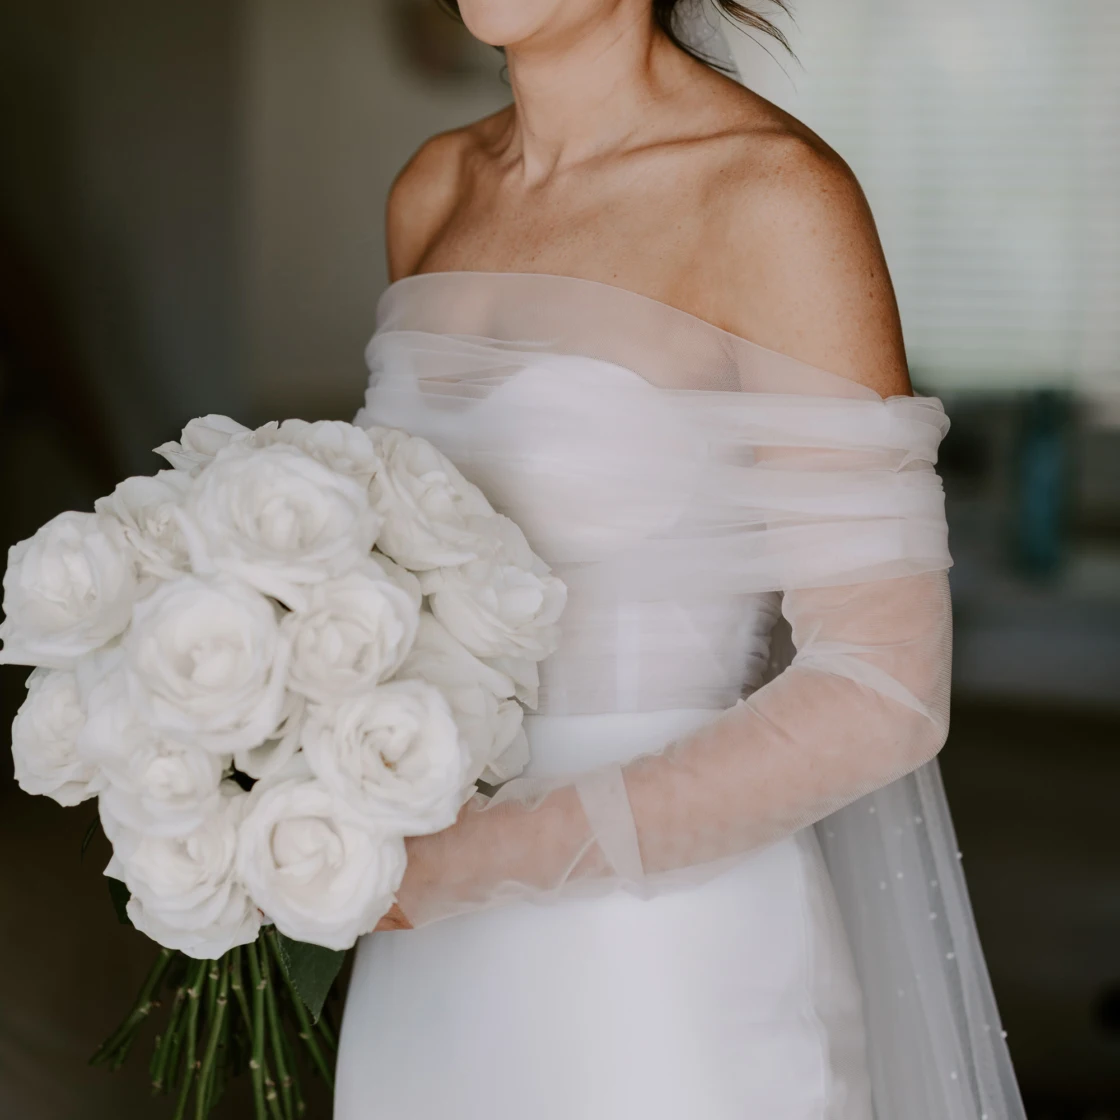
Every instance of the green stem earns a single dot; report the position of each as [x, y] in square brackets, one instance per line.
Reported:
[276, 1037]
[219, 982]
[213, 976]
[192, 980]
[237, 986]
[121, 1055]
[256, 1062]
[297, 1092]
[175, 1047]
[324, 1027]
[241, 1051]
[306, 1028]
[271, 1096]
[194, 997]
[165, 1043]
[141, 1009]
[220, 1076]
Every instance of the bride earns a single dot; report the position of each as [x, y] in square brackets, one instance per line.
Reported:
[648, 313]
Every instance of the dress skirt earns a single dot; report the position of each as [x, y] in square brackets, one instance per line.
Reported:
[734, 999]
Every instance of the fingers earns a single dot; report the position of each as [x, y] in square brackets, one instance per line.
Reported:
[394, 918]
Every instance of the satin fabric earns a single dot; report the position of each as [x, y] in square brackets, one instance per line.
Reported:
[734, 999]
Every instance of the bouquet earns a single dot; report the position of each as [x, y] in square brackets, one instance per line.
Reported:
[270, 664]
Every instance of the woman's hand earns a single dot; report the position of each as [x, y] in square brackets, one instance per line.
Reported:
[394, 919]
[411, 887]
[426, 868]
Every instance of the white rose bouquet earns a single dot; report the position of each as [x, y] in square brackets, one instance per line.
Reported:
[270, 665]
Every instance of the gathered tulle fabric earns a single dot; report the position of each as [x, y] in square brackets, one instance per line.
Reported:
[740, 533]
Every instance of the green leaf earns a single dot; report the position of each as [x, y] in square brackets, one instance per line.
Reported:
[88, 838]
[311, 969]
[120, 895]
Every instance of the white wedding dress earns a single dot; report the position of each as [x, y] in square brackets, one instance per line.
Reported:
[683, 952]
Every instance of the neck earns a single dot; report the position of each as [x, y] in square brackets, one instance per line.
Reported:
[586, 87]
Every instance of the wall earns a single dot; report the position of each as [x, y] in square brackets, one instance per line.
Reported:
[119, 140]
[332, 113]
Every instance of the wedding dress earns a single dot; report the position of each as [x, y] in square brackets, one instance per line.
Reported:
[756, 641]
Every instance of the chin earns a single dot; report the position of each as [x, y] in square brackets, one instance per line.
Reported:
[501, 23]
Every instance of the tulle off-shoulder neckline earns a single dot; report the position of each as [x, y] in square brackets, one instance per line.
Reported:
[637, 299]
[471, 273]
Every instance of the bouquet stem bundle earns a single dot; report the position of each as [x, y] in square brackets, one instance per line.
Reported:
[241, 1011]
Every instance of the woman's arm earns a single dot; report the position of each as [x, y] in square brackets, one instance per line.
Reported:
[421, 200]
[798, 266]
[864, 702]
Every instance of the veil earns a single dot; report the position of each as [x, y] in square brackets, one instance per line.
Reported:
[936, 1048]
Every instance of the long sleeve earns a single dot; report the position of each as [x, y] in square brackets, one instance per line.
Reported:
[677, 506]
[864, 702]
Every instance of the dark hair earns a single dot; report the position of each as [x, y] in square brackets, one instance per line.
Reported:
[665, 10]
[732, 10]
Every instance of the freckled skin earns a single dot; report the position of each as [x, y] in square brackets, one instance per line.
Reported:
[623, 160]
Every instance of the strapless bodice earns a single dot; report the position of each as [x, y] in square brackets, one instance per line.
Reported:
[675, 476]
[594, 464]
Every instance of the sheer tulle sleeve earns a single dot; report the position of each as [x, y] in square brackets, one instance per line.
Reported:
[849, 528]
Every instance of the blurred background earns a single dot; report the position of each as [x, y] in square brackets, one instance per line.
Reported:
[191, 202]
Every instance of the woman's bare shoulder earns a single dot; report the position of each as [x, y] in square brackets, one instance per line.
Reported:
[426, 190]
[798, 261]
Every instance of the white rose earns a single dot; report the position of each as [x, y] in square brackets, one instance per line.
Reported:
[153, 784]
[206, 663]
[402, 577]
[68, 590]
[432, 515]
[44, 740]
[267, 759]
[342, 447]
[394, 755]
[320, 873]
[354, 632]
[185, 891]
[511, 745]
[524, 673]
[479, 695]
[142, 511]
[277, 519]
[201, 440]
[504, 604]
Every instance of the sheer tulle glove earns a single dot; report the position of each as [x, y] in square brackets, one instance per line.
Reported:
[864, 702]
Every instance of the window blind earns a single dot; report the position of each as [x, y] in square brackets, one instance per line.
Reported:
[986, 134]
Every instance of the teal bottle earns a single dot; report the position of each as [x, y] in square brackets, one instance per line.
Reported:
[1042, 484]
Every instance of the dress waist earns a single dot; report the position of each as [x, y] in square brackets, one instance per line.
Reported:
[685, 653]
[570, 744]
